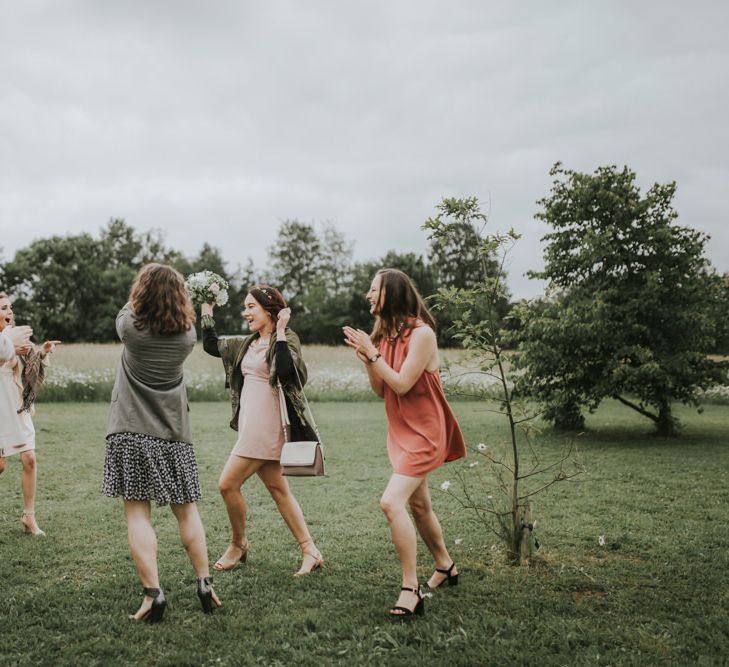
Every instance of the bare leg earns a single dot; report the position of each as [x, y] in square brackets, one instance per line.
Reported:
[28, 484]
[143, 545]
[429, 528]
[2, 464]
[288, 506]
[236, 471]
[393, 501]
[192, 534]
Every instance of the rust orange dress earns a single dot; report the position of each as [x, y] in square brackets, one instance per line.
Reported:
[422, 431]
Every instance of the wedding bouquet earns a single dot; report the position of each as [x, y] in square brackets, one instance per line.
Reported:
[207, 287]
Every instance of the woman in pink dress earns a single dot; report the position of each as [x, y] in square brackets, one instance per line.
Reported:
[255, 365]
[402, 362]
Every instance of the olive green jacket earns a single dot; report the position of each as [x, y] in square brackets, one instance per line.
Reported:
[289, 369]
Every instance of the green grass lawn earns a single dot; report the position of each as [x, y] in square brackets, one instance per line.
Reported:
[656, 593]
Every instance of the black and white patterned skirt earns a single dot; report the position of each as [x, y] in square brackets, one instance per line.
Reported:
[142, 467]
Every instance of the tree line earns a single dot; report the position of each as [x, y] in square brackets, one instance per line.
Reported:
[633, 309]
[71, 287]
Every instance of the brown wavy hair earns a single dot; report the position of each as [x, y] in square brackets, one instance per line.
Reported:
[400, 305]
[160, 302]
[271, 300]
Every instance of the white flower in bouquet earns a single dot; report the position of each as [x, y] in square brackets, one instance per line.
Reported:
[207, 287]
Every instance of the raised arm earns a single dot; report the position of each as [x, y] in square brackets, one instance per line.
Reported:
[13, 340]
[209, 335]
[285, 364]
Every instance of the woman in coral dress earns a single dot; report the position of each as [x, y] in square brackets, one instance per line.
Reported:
[402, 362]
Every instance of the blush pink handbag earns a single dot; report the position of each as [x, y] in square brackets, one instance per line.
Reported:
[304, 458]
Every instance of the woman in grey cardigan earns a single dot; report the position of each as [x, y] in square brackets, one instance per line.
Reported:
[255, 365]
[149, 451]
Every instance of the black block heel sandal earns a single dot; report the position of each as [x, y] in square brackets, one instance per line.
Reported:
[452, 579]
[155, 613]
[404, 613]
[205, 592]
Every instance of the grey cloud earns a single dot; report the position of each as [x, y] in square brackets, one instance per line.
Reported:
[214, 121]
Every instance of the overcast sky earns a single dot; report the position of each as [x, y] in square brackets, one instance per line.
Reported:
[215, 121]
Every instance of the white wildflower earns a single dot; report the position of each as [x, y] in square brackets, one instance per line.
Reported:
[459, 540]
[601, 540]
[473, 465]
[481, 446]
[445, 486]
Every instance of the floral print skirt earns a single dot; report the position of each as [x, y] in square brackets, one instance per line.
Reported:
[142, 467]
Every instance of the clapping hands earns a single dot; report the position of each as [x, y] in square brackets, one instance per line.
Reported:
[361, 342]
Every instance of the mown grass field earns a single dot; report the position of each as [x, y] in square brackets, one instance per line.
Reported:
[656, 593]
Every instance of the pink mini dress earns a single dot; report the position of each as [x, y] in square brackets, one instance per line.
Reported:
[260, 432]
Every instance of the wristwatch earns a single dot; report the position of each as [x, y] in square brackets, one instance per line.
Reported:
[374, 357]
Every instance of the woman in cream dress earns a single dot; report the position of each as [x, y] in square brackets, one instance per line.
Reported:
[17, 434]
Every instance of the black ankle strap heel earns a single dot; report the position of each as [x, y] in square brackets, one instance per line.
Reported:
[207, 596]
[399, 612]
[452, 578]
[159, 604]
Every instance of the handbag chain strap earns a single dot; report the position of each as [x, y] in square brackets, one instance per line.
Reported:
[284, 414]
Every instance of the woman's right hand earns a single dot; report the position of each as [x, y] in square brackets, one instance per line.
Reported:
[206, 309]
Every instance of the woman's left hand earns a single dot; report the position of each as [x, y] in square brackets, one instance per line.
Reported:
[284, 315]
[49, 346]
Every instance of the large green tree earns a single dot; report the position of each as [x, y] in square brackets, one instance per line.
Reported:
[71, 287]
[313, 269]
[295, 258]
[627, 313]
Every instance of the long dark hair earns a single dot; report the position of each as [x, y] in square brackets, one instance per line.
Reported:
[160, 302]
[270, 298]
[400, 305]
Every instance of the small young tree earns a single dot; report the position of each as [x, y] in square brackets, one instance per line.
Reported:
[629, 311]
[518, 473]
[455, 261]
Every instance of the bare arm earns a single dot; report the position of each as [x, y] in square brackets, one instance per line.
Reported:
[423, 345]
[376, 382]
